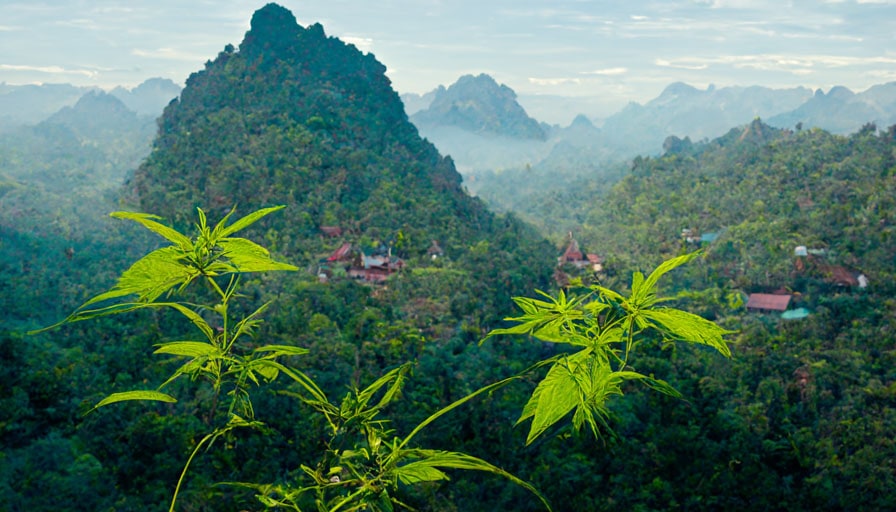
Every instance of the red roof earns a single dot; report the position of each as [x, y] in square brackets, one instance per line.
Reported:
[573, 253]
[768, 301]
[341, 253]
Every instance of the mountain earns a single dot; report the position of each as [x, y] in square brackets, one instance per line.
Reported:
[480, 125]
[97, 115]
[93, 143]
[479, 105]
[414, 103]
[299, 118]
[30, 104]
[843, 111]
[149, 98]
[685, 111]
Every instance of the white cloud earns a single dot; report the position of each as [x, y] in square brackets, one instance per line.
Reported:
[169, 54]
[554, 81]
[796, 64]
[362, 43]
[682, 64]
[56, 70]
[607, 72]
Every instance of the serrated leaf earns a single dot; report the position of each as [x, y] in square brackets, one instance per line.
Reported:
[457, 460]
[147, 221]
[665, 267]
[135, 395]
[283, 350]
[150, 276]
[558, 394]
[188, 349]
[417, 472]
[685, 326]
[194, 317]
[247, 256]
[248, 220]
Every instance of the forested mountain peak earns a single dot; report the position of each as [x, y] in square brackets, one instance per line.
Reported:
[299, 118]
[479, 104]
[92, 110]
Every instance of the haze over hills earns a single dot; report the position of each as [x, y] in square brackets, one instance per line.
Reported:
[680, 110]
[30, 104]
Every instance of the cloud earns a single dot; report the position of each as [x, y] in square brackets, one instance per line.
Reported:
[362, 43]
[682, 64]
[554, 81]
[169, 54]
[796, 64]
[55, 70]
[607, 72]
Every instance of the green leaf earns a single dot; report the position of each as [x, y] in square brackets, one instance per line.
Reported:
[247, 256]
[396, 375]
[685, 326]
[420, 471]
[150, 276]
[135, 395]
[188, 349]
[194, 317]
[555, 396]
[655, 384]
[433, 459]
[554, 321]
[643, 294]
[282, 350]
[145, 219]
[266, 370]
[248, 220]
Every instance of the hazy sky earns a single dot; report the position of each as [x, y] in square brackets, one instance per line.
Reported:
[618, 50]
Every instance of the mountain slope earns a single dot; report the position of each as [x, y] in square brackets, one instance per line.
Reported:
[298, 118]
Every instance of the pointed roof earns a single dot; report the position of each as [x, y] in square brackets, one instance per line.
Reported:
[572, 252]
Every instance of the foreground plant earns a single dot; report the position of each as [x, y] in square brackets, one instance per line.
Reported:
[364, 462]
[604, 329]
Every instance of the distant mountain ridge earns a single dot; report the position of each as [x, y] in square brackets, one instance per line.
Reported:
[479, 104]
[150, 97]
[22, 105]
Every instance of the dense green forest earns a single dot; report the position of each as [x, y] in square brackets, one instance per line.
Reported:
[801, 417]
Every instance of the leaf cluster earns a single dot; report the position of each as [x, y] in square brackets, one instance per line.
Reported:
[603, 328]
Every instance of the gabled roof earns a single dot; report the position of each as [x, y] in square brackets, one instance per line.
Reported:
[572, 252]
[341, 253]
[768, 301]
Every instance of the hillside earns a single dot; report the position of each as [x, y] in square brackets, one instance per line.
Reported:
[295, 117]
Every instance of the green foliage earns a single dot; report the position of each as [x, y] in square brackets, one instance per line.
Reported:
[605, 328]
[363, 461]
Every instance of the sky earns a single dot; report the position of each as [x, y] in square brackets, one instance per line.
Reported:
[611, 52]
